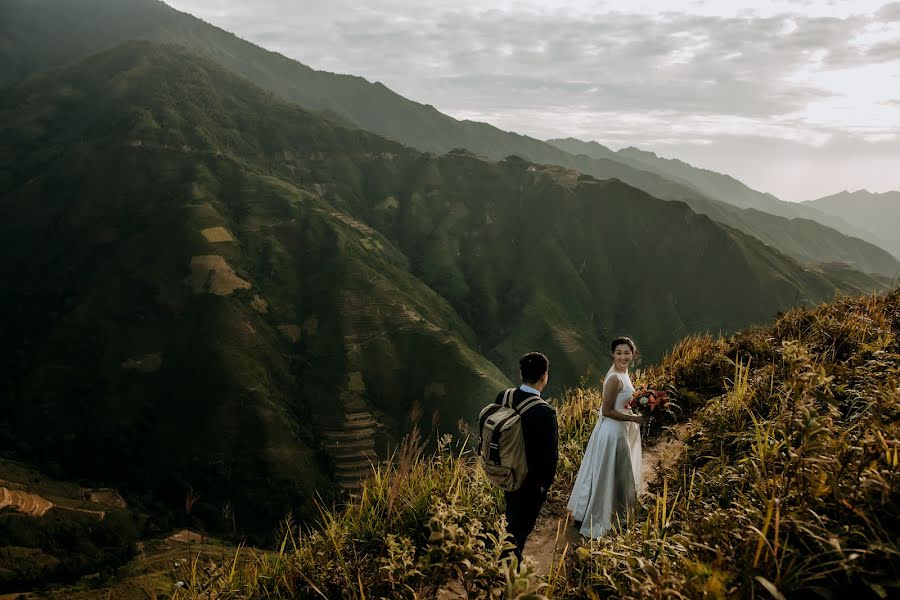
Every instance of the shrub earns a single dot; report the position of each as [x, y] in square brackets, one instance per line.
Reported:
[788, 487]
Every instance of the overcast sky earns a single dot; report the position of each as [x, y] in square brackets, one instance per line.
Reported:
[797, 98]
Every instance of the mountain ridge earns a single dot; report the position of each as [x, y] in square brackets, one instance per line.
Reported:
[756, 212]
[373, 107]
[231, 275]
[876, 213]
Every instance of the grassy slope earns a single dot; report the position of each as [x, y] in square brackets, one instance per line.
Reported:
[72, 554]
[67, 541]
[788, 486]
[418, 273]
[99, 24]
[801, 230]
[232, 411]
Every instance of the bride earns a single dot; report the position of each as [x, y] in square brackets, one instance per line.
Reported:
[610, 474]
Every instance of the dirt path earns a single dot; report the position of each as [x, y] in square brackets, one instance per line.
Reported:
[552, 538]
[100, 514]
[554, 535]
[664, 453]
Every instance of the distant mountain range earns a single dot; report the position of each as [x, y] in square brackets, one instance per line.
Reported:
[712, 184]
[877, 214]
[203, 279]
[40, 34]
[806, 234]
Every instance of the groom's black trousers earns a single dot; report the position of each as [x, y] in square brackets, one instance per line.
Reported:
[522, 509]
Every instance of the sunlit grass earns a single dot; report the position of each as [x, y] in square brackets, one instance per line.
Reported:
[788, 486]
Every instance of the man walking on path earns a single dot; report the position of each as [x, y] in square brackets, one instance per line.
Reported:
[541, 439]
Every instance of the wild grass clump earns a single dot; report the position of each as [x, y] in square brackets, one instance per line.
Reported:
[417, 525]
[790, 483]
[576, 418]
[789, 486]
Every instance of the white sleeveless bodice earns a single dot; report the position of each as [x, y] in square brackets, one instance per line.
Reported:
[625, 393]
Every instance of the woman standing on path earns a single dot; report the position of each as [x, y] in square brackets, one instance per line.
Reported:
[610, 473]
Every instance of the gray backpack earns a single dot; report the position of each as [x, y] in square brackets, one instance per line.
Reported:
[502, 447]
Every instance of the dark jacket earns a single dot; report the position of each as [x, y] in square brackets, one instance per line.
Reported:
[541, 437]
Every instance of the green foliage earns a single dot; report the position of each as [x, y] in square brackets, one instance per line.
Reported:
[62, 546]
[420, 278]
[789, 485]
[418, 525]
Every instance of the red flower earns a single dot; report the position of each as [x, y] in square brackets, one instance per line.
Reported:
[645, 400]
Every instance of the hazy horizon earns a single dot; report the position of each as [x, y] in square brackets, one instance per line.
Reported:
[799, 99]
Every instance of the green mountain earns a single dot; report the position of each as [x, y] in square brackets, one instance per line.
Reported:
[802, 230]
[713, 184]
[710, 183]
[204, 280]
[40, 34]
[877, 214]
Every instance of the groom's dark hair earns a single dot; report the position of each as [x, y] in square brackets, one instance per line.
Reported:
[533, 366]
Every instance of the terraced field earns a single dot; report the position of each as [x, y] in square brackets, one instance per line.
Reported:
[568, 339]
[353, 449]
[30, 504]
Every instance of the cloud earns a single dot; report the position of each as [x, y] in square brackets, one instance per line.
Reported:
[470, 60]
[889, 13]
[636, 72]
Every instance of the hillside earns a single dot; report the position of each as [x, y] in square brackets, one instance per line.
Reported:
[183, 310]
[878, 214]
[712, 184]
[41, 34]
[786, 487]
[208, 280]
[802, 230]
[55, 532]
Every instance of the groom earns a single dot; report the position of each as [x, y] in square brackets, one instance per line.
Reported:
[541, 439]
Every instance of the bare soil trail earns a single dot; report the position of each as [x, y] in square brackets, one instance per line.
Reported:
[555, 534]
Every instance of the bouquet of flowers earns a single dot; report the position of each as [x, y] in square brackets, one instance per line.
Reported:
[644, 401]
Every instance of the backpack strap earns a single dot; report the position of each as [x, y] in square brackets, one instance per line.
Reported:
[529, 403]
[494, 444]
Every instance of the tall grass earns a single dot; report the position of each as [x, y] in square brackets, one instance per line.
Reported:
[789, 486]
[418, 525]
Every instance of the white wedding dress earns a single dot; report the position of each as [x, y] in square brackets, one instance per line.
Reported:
[609, 478]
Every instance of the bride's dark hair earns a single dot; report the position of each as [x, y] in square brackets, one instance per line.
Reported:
[623, 340]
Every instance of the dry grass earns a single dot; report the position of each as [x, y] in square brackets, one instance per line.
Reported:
[790, 483]
[217, 235]
[290, 331]
[415, 527]
[259, 304]
[788, 487]
[24, 502]
[211, 274]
